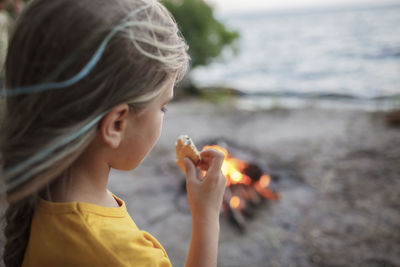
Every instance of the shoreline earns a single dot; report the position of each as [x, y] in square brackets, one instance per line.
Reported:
[257, 101]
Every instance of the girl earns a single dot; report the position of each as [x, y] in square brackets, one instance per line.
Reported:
[88, 82]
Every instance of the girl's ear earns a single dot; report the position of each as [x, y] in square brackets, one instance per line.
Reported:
[113, 125]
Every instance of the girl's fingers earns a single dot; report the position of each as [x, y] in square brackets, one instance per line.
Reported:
[209, 157]
[215, 159]
[204, 166]
[211, 162]
[190, 170]
[199, 174]
[210, 153]
[215, 167]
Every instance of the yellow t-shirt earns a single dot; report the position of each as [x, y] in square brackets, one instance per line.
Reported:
[83, 234]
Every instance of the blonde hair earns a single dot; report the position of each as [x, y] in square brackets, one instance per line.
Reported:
[68, 63]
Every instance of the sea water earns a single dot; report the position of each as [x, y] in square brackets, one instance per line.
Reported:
[333, 57]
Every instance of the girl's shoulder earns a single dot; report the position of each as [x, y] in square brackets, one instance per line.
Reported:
[107, 235]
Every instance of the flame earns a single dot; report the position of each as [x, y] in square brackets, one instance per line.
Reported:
[242, 192]
[232, 168]
[234, 202]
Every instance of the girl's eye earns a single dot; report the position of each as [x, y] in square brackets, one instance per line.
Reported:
[164, 109]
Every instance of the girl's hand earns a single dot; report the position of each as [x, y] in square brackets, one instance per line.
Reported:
[205, 199]
[205, 192]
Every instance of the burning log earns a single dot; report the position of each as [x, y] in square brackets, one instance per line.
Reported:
[252, 196]
[253, 171]
[232, 207]
[262, 188]
[247, 188]
[393, 118]
[240, 200]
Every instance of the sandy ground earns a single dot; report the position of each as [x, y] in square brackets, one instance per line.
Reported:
[340, 186]
[339, 183]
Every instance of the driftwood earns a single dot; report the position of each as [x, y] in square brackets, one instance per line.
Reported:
[393, 118]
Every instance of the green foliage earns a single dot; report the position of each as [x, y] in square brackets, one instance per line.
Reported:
[205, 35]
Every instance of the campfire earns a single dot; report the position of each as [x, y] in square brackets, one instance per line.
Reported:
[247, 187]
